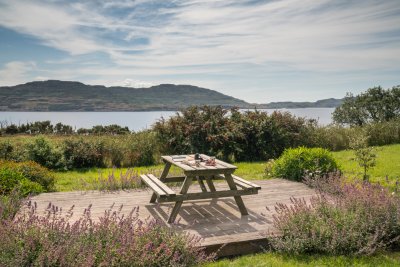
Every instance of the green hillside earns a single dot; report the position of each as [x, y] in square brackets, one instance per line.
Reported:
[75, 96]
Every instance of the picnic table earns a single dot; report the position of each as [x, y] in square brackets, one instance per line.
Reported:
[205, 170]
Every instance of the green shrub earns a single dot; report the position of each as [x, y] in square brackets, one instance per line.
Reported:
[9, 179]
[12, 179]
[142, 148]
[6, 149]
[294, 163]
[232, 135]
[29, 177]
[41, 151]
[79, 153]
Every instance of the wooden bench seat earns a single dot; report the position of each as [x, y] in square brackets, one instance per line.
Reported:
[244, 184]
[158, 187]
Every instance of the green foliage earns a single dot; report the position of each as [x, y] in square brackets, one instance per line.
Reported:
[141, 148]
[275, 259]
[294, 163]
[375, 105]
[364, 154]
[6, 149]
[230, 134]
[41, 151]
[28, 177]
[80, 153]
[11, 179]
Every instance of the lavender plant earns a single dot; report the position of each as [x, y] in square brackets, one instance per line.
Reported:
[115, 240]
[358, 218]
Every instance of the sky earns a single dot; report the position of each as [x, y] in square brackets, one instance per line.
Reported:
[258, 51]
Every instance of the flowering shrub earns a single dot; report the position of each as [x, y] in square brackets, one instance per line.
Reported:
[358, 218]
[116, 240]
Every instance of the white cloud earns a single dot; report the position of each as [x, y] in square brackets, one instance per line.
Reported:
[201, 41]
[16, 72]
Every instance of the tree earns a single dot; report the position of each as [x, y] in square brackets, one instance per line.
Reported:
[364, 155]
[374, 105]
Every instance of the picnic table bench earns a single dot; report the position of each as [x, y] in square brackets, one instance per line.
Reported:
[201, 172]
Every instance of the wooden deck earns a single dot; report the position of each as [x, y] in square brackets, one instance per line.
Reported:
[218, 222]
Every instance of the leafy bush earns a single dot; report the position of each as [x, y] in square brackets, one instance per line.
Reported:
[6, 149]
[80, 153]
[359, 218]
[141, 149]
[11, 179]
[41, 151]
[114, 240]
[296, 162]
[230, 134]
[29, 177]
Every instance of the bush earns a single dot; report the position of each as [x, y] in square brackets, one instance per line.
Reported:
[41, 151]
[294, 163]
[359, 218]
[6, 149]
[142, 148]
[11, 179]
[29, 177]
[114, 240]
[80, 153]
[232, 135]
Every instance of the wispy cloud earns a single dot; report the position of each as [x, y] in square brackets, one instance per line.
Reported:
[16, 71]
[191, 41]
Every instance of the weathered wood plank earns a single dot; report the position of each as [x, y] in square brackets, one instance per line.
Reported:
[237, 178]
[209, 195]
[152, 185]
[161, 185]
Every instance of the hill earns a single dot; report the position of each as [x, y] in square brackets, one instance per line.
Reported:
[324, 103]
[56, 95]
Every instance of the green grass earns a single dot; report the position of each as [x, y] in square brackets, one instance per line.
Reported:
[387, 164]
[87, 179]
[282, 260]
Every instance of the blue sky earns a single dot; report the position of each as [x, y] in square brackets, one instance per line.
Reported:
[258, 51]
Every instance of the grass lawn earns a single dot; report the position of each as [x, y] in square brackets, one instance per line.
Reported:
[387, 164]
[282, 260]
[88, 179]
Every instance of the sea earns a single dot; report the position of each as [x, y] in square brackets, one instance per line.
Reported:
[136, 121]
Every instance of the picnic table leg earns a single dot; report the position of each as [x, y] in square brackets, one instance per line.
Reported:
[178, 204]
[210, 184]
[238, 199]
[201, 183]
[162, 178]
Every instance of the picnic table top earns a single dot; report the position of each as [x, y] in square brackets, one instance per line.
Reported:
[179, 161]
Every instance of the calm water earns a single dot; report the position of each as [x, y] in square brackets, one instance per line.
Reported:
[134, 120]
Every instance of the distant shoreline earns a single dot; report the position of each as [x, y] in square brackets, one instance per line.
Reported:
[151, 110]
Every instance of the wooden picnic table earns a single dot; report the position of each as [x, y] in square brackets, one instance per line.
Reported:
[201, 172]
